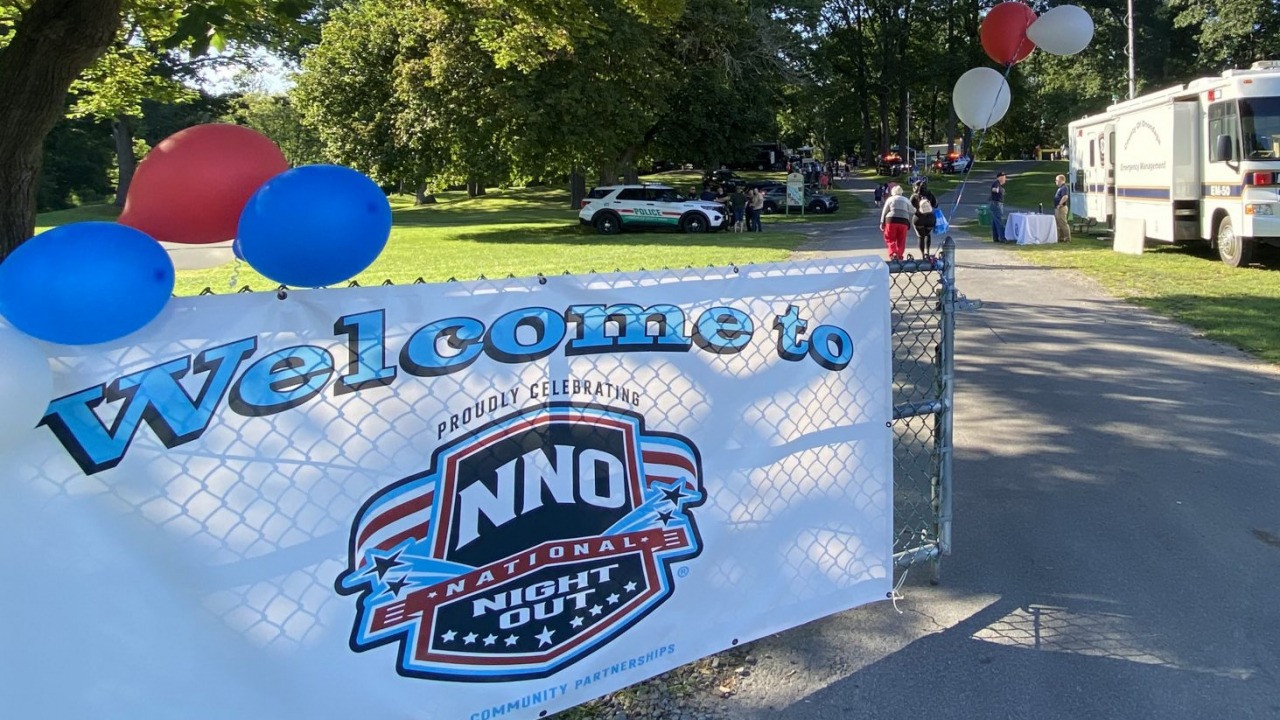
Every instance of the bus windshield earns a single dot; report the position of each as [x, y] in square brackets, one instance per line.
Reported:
[1260, 125]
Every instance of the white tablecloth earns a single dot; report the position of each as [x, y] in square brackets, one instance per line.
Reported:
[1031, 229]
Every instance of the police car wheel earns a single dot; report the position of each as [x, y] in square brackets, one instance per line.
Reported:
[769, 208]
[609, 224]
[1234, 250]
[693, 223]
[818, 208]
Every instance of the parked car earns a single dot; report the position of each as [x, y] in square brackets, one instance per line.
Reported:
[612, 208]
[764, 184]
[775, 199]
[954, 163]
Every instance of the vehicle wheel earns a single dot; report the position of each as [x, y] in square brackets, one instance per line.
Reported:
[760, 166]
[609, 224]
[817, 208]
[769, 208]
[1234, 250]
[693, 223]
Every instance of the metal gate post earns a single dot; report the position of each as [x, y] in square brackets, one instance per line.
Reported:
[945, 417]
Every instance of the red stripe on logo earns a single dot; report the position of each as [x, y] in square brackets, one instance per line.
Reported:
[417, 531]
[664, 458]
[394, 514]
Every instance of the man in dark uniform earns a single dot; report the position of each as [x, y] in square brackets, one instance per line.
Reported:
[997, 209]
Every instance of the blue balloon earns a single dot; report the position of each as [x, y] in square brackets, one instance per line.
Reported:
[85, 283]
[314, 225]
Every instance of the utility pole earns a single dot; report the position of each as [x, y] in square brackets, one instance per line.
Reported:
[1130, 24]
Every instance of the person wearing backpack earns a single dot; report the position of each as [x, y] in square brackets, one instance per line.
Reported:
[924, 221]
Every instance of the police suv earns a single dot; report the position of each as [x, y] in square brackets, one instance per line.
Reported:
[611, 208]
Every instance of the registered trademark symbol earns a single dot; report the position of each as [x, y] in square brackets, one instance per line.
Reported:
[683, 572]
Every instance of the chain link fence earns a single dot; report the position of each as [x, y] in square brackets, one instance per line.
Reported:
[923, 301]
[924, 305]
[262, 526]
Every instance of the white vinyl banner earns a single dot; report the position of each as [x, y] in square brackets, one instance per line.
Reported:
[465, 501]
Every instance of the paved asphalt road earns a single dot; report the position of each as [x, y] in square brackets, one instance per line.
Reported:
[1117, 527]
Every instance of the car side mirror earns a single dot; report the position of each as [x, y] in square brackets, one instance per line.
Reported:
[1225, 148]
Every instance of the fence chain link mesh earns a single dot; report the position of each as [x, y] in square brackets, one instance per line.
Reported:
[923, 306]
[318, 485]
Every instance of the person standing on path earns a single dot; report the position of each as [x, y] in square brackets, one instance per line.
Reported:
[997, 209]
[924, 203]
[1061, 203]
[895, 220]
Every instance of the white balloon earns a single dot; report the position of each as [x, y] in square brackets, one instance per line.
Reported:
[199, 257]
[26, 388]
[981, 98]
[1064, 30]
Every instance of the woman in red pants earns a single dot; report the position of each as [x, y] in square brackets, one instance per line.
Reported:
[895, 221]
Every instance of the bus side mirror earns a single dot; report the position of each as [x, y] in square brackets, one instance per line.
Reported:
[1225, 149]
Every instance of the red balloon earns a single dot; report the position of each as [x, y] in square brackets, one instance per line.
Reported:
[1004, 32]
[192, 187]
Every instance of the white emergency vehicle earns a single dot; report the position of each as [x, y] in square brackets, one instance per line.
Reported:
[1199, 161]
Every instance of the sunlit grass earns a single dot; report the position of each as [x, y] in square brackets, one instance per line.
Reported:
[1239, 307]
[522, 232]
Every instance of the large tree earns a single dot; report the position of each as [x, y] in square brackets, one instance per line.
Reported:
[52, 42]
[45, 45]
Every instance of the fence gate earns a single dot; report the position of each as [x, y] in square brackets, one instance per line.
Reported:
[923, 307]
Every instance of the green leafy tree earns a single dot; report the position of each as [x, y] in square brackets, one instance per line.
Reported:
[276, 117]
[46, 45]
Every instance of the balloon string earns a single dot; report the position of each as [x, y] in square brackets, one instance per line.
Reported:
[982, 132]
[235, 275]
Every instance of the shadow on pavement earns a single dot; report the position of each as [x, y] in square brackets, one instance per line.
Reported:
[1115, 500]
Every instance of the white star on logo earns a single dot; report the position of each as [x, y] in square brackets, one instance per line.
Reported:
[511, 640]
[448, 637]
[595, 609]
[470, 638]
[613, 599]
[576, 622]
[629, 587]
[491, 639]
[544, 637]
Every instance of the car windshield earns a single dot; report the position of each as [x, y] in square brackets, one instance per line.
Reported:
[1260, 125]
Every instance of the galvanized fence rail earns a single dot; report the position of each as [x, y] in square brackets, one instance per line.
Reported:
[923, 319]
[923, 305]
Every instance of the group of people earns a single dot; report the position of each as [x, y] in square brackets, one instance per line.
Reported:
[899, 214]
[744, 208]
[1061, 209]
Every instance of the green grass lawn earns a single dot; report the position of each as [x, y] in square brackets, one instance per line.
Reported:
[1028, 188]
[522, 231]
[1238, 307]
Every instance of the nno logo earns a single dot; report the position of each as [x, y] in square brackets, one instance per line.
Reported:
[529, 544]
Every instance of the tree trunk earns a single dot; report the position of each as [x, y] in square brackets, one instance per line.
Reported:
[904, 131]
[422, 197]
[122, 131]
[868, 133]
[882, 97]
[577, 189]
[53, 42]
[475, 188]
[951, 127]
